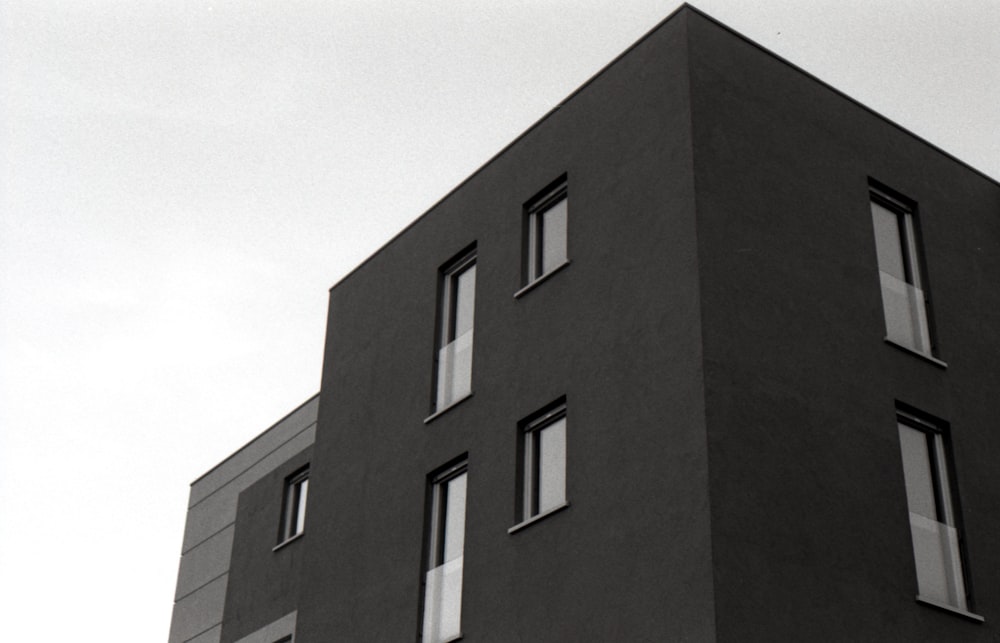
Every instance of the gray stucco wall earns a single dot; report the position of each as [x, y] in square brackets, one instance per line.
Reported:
[616, 332]
[809, 514]
[264, 581]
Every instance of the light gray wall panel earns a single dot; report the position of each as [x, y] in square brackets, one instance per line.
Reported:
[198, 612]
[204, 562]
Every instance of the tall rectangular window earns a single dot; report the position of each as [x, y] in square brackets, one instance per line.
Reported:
[457, 302]
[445, 543]
[904, 296]
[542, 462]
[293, 513]
[545, 223]
[934, 519]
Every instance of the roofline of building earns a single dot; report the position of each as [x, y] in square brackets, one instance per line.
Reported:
[675, 12]
[516, 139]
[840, 93]
[252, 440]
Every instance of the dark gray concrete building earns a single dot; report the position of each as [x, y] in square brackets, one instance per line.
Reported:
[708, 354]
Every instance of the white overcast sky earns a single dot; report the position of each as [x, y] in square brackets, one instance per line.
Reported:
[181, 182]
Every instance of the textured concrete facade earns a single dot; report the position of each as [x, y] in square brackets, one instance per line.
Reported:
[617, 332]
[733, 468]
[808, 500]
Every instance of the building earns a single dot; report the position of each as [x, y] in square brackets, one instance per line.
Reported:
[209, 559]
[707, 354]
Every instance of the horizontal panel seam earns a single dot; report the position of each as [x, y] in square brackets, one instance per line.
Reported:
[250, 466]
[205, 584]
[211, 627]
[207, 538]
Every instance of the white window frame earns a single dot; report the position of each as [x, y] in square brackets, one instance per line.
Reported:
[444, 553]
[912, 329]
[453, 354]
[536, 266]
[531, 460]
[293, 506]
[938, 545]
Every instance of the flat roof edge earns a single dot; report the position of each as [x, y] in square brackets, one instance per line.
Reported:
[517, 138]
[842, 94]
[254, 439]
[626, 51]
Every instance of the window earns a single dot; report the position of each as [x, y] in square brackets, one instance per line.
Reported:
[455, 320]
[904, 295]
[293, 513]
[934, 515]
[445, 546]
[545, 220]
[542, 462]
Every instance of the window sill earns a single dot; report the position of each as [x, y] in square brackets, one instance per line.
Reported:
[433, 416]
[530, 521]
[950, 608]
[288, 541]
[539, 280]
[933, 360]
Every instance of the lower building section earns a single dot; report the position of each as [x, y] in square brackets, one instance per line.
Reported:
[204, 580]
